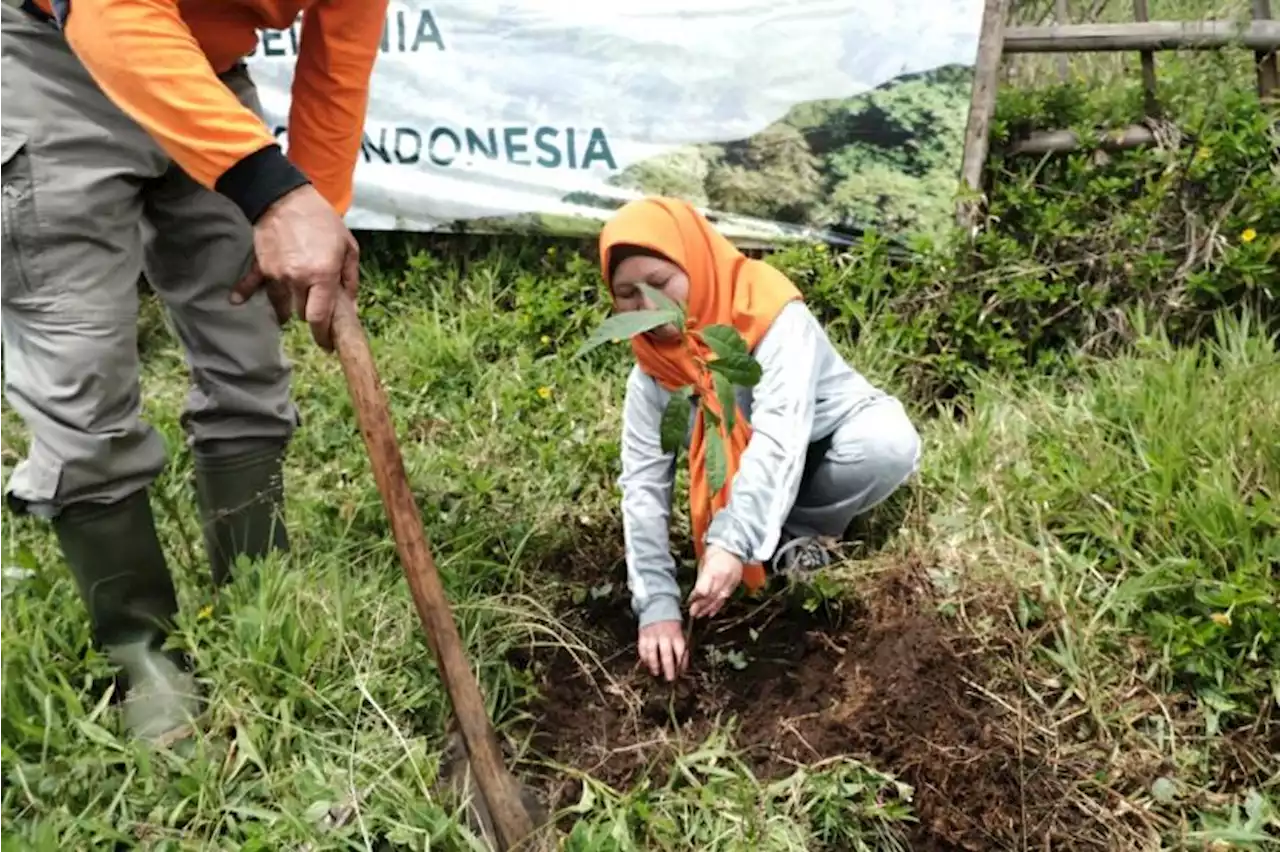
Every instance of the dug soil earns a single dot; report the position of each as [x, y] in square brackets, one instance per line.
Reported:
[883, 678]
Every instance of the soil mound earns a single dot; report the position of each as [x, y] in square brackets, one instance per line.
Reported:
[883, 678]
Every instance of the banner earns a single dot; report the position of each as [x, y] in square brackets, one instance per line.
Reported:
[819, 117]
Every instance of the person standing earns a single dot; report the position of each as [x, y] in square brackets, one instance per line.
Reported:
[134, 143]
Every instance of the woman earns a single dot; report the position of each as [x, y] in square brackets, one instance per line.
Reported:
[813, 446]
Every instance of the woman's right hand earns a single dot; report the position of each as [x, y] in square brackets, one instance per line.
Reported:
[662, 648]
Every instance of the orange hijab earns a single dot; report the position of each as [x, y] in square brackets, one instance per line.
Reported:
[725, 287]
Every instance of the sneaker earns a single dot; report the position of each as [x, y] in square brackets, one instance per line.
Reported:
[801, 555]
[162, 701]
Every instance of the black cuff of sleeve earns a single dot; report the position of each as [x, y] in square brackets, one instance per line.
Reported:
[259, 179]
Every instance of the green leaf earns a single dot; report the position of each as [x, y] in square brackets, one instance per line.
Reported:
[98, 734]
[717, 462]
[675, 422]
[663, 301]
[728, 402]
[724, 340]
[710, 416]
[732, 360]
[739, 369]
[619, 327]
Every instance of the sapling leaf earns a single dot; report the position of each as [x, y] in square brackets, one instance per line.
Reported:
[724, 340]
[675, 421]
[739, 369]
[621, 327]
[717, 462]
[732, 360]
[664, 302]
[710, 416]
[728, 402]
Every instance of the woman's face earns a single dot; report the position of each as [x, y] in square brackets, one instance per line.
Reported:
[660, 274]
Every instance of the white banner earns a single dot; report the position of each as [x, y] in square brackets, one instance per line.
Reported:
[542, 115]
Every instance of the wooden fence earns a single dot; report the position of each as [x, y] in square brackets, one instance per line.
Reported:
[1261, 36]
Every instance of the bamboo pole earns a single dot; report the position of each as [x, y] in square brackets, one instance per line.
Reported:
[1268, 73]
[1061, 16]
[1152, 107]
[982, 104]
[1260, 35]
[1064, 141]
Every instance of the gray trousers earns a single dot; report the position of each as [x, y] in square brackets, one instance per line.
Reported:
[867, 457]
[90, 203]
[854, 469]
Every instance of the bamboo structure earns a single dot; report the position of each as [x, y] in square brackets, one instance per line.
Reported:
[1261, 35]
[1060, 141]
[1258, 35]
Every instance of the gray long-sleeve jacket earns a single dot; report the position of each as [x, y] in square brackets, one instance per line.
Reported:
[805, 391]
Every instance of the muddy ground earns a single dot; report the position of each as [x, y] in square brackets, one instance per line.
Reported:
[884, 678]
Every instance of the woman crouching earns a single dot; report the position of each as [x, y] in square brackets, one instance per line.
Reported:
[813, 446]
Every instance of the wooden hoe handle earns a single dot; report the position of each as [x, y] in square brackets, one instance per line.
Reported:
[499, 789]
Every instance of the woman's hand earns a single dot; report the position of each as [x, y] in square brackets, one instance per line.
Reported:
[662, 648]
[718, 577]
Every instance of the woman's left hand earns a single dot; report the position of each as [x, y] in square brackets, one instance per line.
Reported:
[718, 577]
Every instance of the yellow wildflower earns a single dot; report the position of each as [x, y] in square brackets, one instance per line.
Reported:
[544, 392]
[546, 340]
[1222, 619]
[1248, 235]
[205, 612]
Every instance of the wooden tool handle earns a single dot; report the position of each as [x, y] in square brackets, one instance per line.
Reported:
[499, 788]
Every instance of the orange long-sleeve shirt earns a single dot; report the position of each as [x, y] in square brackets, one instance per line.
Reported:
[158, 60]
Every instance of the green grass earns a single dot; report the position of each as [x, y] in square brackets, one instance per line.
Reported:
[1137, 510]
[318, 662]
[1101, 535]
[1159, 476]
[1125, 512]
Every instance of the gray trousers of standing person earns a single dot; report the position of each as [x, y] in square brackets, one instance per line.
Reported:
[91, 203]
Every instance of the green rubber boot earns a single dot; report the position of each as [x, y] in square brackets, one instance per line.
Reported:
[241, 498]
[115, 556]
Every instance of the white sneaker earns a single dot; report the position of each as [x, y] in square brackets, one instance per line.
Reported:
[801, 555]
[163, 701]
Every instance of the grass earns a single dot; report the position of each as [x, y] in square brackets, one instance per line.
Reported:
[1126, 523]
[1070, 640]
[1137, 512]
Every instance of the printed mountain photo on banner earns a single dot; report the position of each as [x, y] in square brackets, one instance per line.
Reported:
[887, 158]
